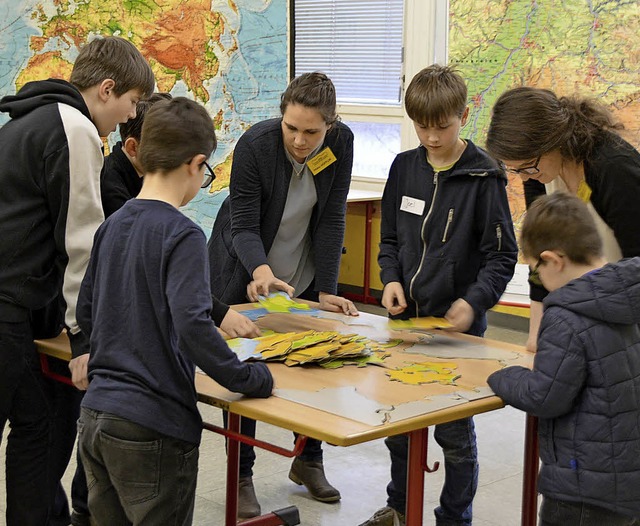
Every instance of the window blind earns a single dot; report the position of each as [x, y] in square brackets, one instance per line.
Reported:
[357, 43]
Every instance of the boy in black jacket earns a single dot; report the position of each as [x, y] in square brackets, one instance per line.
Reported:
[50, 162]
[145, 303]
[447, 249]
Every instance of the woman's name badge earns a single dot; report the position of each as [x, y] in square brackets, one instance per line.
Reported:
[320, 161]
[412, 205]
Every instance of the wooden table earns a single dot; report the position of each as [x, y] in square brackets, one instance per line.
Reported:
[370, 381]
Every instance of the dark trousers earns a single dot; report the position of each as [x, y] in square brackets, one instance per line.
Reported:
[42, 414]
[136, 475]
[564, 513]
[458, 442]
[312, 449]
[66, 410]
[25, 402]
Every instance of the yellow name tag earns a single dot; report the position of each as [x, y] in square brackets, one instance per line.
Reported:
[321, 161]
[584, 191]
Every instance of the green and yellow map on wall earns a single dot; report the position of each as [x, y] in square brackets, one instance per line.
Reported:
[582, 47]
[230, 55]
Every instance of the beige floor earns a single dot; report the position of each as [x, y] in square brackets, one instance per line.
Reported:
[362, 472]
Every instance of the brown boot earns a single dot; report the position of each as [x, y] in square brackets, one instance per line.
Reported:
[311, 474]
[248, 505]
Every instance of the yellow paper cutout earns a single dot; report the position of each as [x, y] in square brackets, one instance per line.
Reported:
[422, 324]
[426, 373]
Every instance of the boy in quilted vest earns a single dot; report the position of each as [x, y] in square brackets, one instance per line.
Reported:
[585, 382]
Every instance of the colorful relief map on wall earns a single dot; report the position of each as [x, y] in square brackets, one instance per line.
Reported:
[588, 48]
[230, 55]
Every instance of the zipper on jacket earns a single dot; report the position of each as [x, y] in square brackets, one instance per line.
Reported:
[446, 228]
[424, 242]
[499, 236]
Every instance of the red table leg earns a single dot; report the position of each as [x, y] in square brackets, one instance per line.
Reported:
[415, 476]
[285, 516]
[233, 468]
[530, 476]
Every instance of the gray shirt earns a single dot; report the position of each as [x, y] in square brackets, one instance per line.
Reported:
[290, 257]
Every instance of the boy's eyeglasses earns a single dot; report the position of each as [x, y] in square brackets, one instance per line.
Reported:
[209, 176]
[527, 170]
[534, 273]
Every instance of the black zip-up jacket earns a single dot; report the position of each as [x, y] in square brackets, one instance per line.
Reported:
[50, 162]
[447, 235]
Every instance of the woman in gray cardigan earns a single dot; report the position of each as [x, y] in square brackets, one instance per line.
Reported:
[282, 228]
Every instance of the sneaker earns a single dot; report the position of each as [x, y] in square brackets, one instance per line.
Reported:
[311, 474]
[385, 517]
[248, 505]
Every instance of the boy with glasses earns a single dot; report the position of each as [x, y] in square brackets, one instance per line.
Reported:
[121, 180]
[585, 382]
[447, 249]
[145, 303]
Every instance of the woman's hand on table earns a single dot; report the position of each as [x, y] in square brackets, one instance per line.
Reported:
[265, 282]
[333, 303]
[393, 298]
[237, 325]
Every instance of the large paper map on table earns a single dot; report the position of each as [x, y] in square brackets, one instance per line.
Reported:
[376, 397]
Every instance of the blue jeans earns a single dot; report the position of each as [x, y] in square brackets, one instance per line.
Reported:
[25, 401]
[458, 442]
[136, 475]
[564, 513]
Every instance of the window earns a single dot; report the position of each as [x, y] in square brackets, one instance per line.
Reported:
[367, 47]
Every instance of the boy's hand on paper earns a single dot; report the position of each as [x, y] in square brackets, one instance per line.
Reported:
[237, 325]
[460, 315]
[333, 303]
[393, 298]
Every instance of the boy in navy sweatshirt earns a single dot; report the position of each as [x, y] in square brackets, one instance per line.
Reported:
[145, 302]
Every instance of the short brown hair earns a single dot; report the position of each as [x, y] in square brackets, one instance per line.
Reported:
[313, 90]
[561, 222]
[435, 94]
[173, 133]
[112, 58]
[529, 122]
[133, 127]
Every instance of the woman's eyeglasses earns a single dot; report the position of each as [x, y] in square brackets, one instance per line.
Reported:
[209, 176]
[527, 170]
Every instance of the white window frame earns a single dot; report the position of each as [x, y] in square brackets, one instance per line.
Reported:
[426, 30]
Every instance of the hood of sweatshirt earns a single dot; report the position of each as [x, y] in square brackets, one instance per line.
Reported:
[39, 93]
[610, 294]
